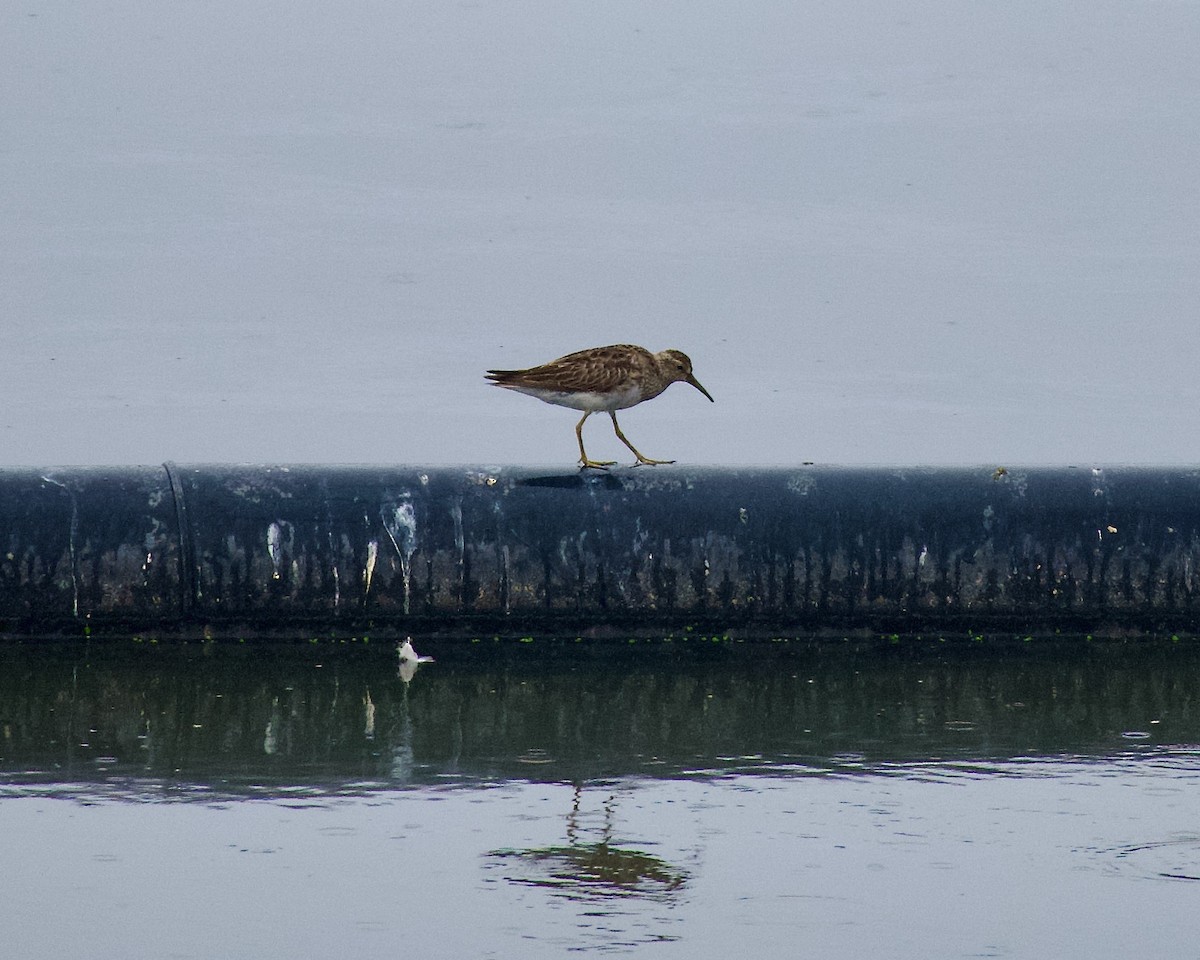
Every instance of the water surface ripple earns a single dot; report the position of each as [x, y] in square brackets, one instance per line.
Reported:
[912, 800]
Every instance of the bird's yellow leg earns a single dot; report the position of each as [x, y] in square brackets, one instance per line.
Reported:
[625, 440]
[583, 457]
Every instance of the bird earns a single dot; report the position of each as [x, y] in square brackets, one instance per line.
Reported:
[608, 378]
[409, 655]
[409, 661]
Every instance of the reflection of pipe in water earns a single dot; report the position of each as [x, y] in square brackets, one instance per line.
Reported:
[595, 869]
[271, 734]
[403, 754]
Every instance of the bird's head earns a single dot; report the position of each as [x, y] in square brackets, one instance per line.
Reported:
[677, 365]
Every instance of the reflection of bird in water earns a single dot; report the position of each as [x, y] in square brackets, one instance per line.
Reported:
[403, 762]
[592, 866]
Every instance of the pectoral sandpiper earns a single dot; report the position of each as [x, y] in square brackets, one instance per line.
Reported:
[602, 378]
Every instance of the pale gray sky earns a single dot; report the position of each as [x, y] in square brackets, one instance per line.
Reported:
[914, 232]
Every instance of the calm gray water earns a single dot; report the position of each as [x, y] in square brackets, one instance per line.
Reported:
[886, 231]
[898, 800]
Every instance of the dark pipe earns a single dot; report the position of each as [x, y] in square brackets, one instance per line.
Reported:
[256, 550]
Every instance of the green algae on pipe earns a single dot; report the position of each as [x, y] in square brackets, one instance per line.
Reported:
[254, 550]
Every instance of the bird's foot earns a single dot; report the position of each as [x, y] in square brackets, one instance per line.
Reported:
[596, 464]
[651, 463]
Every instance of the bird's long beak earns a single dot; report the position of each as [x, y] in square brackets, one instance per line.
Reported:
[696, 383]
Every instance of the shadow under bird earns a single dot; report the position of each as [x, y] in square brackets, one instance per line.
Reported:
[602, 378]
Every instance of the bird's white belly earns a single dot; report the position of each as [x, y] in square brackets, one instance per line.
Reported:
[614, 400]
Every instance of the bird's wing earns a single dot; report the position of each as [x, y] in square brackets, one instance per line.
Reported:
[598, 369]
[592, 377]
